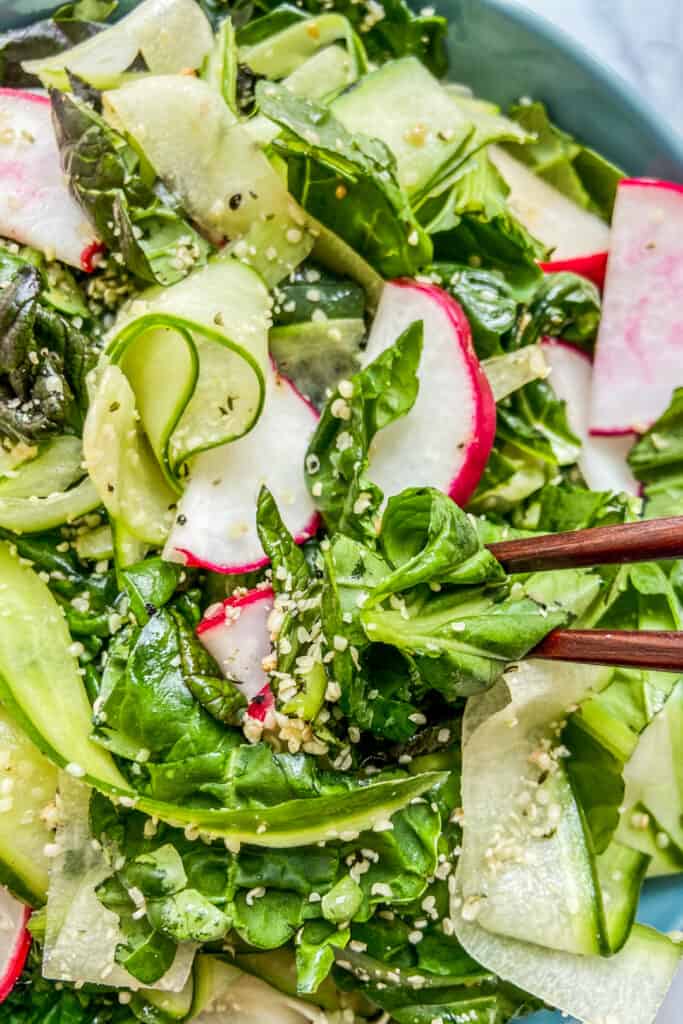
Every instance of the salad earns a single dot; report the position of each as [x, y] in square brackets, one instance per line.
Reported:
[292, 328]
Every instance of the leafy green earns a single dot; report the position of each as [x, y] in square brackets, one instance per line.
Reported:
[34, 1000]
[309, 289]
[657, 460]
[132, 212]
[337, 458]
[575, 170]
[470, 223]
[463, 638]
[44, 360]
[347, 181]
[488, 301]
[564, 305]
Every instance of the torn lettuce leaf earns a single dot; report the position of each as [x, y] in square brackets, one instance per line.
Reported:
[577, 171]
[346, 181]
[657, 460]
[132, 211]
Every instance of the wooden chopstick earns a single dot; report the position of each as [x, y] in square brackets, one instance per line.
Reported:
[653, 540]
[644, 649]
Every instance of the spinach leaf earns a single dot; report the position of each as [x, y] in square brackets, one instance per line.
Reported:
[564, 305]
[657, 460]
[35, 1000]
[470, 223]
[462, 639]
[290, 569]
[427, 538]
[133, 213]
[347, 181]
[337, 458]
[310, 288]
[44, 360]
[95, 593]
[488, 301]
[578, 172]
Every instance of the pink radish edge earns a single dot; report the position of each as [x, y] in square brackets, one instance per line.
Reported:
[251, 597]
[593, 267]
[475, 456]
[17, 960]
[94, 248]
[259, 707]
[31, 97]
[309, 530]
[192, 562]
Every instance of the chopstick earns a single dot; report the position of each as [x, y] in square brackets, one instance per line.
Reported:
[653, 540]
[643, 649]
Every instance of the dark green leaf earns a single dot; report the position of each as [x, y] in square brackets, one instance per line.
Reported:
[565, 306]
[575, 170]
[346, 181]
[657, 460]
[336, 473]
[134, 215]
[488, 301]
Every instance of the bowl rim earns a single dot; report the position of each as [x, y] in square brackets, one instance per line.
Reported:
[670, 139]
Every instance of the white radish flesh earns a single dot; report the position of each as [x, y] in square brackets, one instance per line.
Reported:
[446, 438]
[603, 459]
[36, 207]
[216, 523]
[237, 636]
[551, 217]
[15, 941]
[639, 354]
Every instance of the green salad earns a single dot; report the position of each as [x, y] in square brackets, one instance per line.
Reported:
[292, 329]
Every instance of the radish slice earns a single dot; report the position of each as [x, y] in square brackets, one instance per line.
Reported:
[216, 524]
[603, 459]
[15, 940]
[446, 438]
[36, 207]
[639, 355]
[237, 636]
[593, 267]
[551, 217]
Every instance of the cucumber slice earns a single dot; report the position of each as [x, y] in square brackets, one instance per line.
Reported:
[81, 935]
[121, 464]
[316, 356]
[212, 978]
[654, 776]
[170, 35]
[171, 1005]
[225, 993]
[282, 53]
[526, 870]
[627, 988]
[29, 785]
[57, 466]
[33, 515]
[323, 75]
[334, 253]
[405, 106]
[128, 550]
[221, 66]
[512, 371]
[39, 679]
[95, 545]
[621, 872]
[200, 150]
[195, 356]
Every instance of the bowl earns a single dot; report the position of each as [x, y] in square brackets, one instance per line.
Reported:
[503, 52]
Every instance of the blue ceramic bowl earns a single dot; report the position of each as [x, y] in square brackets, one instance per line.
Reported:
[503, 53]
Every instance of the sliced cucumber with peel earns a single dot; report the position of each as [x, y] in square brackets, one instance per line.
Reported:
[170, 35]
[29, 786]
